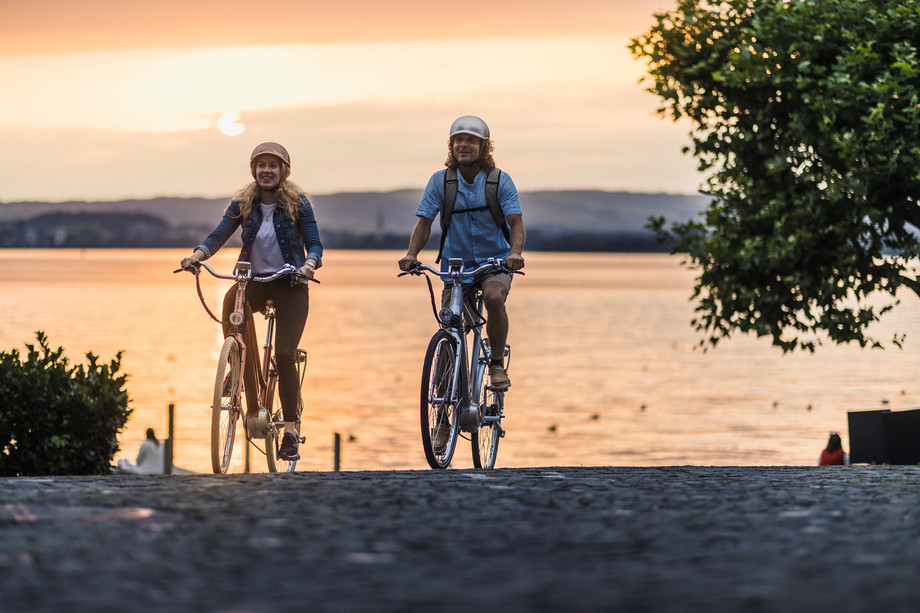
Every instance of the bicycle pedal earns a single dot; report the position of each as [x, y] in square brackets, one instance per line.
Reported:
[292, 458]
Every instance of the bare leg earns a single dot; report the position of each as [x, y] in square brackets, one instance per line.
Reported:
[493, 296]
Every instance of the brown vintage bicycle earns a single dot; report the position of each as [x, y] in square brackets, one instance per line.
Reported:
[227, 404]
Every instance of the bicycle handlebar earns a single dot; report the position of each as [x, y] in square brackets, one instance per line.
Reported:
[492, 264]
[286, 270]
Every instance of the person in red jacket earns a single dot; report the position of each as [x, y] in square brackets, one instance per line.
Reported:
[833, 454]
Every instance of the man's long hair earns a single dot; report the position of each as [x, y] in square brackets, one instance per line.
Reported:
[287, 194]
[485, 155]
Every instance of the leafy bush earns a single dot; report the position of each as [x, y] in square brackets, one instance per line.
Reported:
[57, 419]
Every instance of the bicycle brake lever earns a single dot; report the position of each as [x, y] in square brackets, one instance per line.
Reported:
[304, 278]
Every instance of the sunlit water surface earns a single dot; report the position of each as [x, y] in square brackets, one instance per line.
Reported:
[603, 364]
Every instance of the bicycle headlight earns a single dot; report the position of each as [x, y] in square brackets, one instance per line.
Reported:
[444, 315]
[236, 318]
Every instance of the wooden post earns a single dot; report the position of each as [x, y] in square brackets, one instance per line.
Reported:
[168, 452]
[246, 455]
[337, 452]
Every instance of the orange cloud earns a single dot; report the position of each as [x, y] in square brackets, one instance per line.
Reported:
[61, 26]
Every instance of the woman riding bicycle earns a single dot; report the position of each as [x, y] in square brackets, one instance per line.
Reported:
[278, 228]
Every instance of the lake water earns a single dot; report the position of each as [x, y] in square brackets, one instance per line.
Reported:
[603, 364]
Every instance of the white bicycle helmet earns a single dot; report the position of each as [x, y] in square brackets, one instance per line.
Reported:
[469, 124]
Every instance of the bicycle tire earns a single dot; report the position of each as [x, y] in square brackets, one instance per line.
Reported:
[273, 440]
[275, 433]
[485, 439]
[437, 412]
[226, 406]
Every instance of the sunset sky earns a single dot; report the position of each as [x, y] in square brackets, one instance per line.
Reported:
[107, 99]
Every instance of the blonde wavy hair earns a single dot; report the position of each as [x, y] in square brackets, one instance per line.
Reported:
[287, 194]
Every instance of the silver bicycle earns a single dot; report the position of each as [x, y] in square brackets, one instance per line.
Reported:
[456, 391]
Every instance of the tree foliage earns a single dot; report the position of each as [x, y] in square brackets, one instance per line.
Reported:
[806, 122]
[58, 419]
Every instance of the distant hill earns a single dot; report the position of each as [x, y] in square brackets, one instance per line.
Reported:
[555, 220]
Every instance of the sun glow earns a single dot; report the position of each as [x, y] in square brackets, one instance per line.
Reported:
[228, 124]
[375, 105]
[135, 91]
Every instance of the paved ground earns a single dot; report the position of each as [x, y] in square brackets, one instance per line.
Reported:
[543, 539]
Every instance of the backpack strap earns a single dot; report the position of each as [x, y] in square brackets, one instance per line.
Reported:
[492, 201]
[447, 206]
[450, 197]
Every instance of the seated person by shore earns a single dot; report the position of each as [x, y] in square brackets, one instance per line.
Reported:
[150, 458]
[833, 454]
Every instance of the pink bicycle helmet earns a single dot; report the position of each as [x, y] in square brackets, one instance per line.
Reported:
[270, 149]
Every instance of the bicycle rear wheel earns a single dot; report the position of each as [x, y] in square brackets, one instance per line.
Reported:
[276, 429]
[227, 405]
[276, 432]
[485, 440]
[439, 419]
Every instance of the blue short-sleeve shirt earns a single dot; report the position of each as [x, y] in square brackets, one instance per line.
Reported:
[473, 234]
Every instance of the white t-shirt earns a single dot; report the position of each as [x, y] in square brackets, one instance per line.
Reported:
[266, 253]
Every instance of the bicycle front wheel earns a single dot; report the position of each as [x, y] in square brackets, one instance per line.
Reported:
[439, 419]
[485, 440]
[227, 405]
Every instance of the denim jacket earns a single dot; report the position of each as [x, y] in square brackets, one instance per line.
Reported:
[292, 236]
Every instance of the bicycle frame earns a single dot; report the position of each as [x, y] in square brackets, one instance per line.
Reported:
[467, 376]
[242, 274]
[268, 363]
[471, 355]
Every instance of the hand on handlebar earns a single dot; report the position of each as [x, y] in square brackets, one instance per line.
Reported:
[408, 262]
[306, 272]
[514, 262]
[193, 268]
[192, 260]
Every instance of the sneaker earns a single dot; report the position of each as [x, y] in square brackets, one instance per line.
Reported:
[257, 425]
[440, 435]
[499, 377]
[289, 445]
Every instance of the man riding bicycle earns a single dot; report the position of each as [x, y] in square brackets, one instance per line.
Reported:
[480, 219]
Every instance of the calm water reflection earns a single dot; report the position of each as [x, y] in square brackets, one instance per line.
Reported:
[603, 363]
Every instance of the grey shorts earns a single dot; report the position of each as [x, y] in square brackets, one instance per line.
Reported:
[470, 289]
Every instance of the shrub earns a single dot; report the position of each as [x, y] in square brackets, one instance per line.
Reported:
[57, 419]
